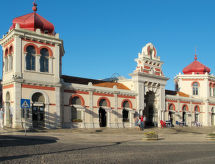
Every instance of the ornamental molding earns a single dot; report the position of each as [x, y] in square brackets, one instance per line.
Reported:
[179, 98]
[31, 35]
[150, 76]
[103, 90]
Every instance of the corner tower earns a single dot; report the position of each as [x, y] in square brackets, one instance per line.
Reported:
[32, 53]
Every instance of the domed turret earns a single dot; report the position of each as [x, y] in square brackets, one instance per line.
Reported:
[34, 21]
[196, 67]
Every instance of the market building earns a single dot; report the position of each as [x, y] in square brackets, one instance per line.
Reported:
[32, 69]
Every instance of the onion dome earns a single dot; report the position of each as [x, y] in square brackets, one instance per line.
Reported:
[34, 21]
[196, 67]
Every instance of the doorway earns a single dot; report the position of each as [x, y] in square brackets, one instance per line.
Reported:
[38, 116]
[38, 110]
[102, 117]
[149, 111]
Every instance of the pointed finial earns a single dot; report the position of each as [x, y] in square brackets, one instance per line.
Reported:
[195, 55]
[34, 8]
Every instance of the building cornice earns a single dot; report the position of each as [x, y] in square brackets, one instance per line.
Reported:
[104, 90]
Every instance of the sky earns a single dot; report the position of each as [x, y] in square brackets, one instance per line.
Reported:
[103, 37]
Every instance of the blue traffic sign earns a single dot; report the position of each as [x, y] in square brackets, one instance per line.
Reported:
[25, 103]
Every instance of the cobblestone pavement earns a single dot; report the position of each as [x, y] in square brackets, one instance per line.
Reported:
[175, 145]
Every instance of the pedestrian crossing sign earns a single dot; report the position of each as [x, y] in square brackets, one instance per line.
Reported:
[25, 103]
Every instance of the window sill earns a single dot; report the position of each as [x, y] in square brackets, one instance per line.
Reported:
[46, 73]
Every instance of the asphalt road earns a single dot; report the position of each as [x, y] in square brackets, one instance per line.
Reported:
[67, 149]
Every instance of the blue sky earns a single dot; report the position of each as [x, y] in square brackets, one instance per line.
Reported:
[103, 37]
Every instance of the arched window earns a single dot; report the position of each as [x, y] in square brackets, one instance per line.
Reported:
[184, 116]
[214, 90]
[6, 52]
[44, 60]
[125, 111]
[30, 58]
[38, 97]
[10, 58]
[75, 114]
[184, 109]
[11, 50]
[103, 102]
[195, 88]
[171, 107]
[196, 110]
[6, 63]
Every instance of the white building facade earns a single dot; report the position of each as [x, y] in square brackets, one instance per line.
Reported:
[32, 69]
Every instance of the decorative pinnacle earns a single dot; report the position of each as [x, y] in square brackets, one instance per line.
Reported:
[34, 8]
[195, 55]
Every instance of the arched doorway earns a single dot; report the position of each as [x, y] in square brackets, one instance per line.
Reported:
[38, 110]
[184, 115]
[102, 113]
[212, 116]
[149, 111]
[196, 111]
[125, 112]
[75, 113]
[172, 114]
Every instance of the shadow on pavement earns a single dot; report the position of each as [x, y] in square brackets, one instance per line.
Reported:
[15, 140]
[57, 152]
[181, 130]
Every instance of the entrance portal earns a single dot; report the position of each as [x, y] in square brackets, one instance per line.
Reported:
[102, 117]
[149, 110]
[38, 116]
[38, 110]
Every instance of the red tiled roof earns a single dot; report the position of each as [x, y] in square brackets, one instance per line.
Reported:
[111, 84]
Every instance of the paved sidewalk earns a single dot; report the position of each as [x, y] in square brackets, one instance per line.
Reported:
[177, 134]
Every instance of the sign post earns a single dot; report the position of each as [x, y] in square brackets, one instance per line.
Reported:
[25, 105]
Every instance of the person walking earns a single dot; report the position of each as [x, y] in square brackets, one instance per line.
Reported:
[1, 118]
[141, 123]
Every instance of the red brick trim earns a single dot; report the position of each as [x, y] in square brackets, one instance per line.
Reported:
[34, 45]
[38, 87]
[49, 49]
[103, 94]
[186, 107]
[52, 104]
[108, 101]
[38, 42]
[195, 82]
[171, 104]
[79, 96]
[196, 103]
[77, 92]
[146, 67]
[8, 86]
[9, 42]
[167, 100]
[195, 107]
[129, 101]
